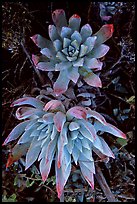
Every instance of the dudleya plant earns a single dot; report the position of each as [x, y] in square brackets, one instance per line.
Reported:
[50, 132]
[72, 51]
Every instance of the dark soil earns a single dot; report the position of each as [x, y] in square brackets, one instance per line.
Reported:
[116, 100]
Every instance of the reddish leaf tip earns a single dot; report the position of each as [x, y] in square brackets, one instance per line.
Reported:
[75, 16]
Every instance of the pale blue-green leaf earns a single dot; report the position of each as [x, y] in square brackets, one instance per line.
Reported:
[85, 143]
[75, 44]
[73, 74]
[75, 154]
[66, 42]
[66, 32]
[99, 51]
[89, 164]
[76, 36]
[54, 133]
[16, 132]
[48, 53]
[85, 32]
[70, 145]
[48, 118]
[88, 174]
[78, 63]
[46, 66]
[96, 115]
[73, 126]
[28, 101]
[110, 129]
[83, 50]
[61, 84]
[71, 59]
[74, 22]
[62, 141]
[25, 136]
[87, 153]
[53, 33]
[42, 42]
[92, 63]
[90, 42]
[65, 51]
[58, 45]
[60, 56]
[35, 133]
[74, 134]
[78, 144]
[62, 65]
[32, 153]
[42, 135]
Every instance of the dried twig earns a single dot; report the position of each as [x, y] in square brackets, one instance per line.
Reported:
[103, 184]
[36, 70]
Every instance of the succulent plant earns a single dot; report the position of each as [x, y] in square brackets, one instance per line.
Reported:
[72, 51]
[50, 132]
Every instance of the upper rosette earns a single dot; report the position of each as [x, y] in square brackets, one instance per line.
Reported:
[73, 51]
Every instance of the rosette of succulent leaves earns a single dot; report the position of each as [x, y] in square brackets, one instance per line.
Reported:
[72, 51]
[49, 132]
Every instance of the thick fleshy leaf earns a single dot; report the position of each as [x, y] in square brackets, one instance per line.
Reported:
[26, 136]
[61, 176]
[86, 144]
[17, 152]
[54, 105]
[85, 32]
[33, 153]
[104, 33]
[110, 129]
[96, 115]
[73, 126]
[61, 84]
[63, 65]
[27, 112]
[53, 34]
[77, 112]
[54, 133]
[89, 127]
[71, 59]
[88, 174]
[99, 51]
[74, 22]
[78, 63]
[35, 59]
[62, 141]
[66, 42]
[75, 154]
[59, 120]
[46, 162]
[66, 32]
[46, 66]
[86, 154]
[48, 118]
[90, 42]
[61, 56]
[78, 144]
[48, 53]
[59, 18]
[73, 74]
[83, 50]
[28, 101]
[102, 146]
[76, 36]
[85, 133]
[16, 132]
[70, 145]
[93, 80]
[41, 41]
[92, 63]
[58, 45]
